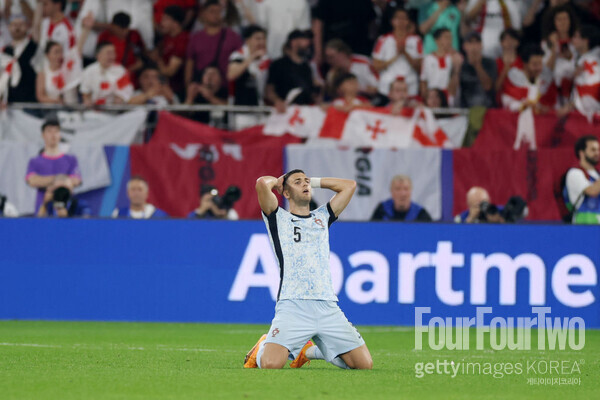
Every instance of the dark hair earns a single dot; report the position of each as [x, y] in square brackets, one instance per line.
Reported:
[397, 10]
[176, 13]
[530, 50]
[292, 172]
[581, 143]
[102, 45]
[443, 98]
[50, 122]
[590, 33]
[513, 33]
[209, 3]
[148, 67]
[339, 45]
[341, 78]
[439, 32]
[251, 30]
[122, 20]
[549, 26]
[63, 3]
[138, 178]
[50, 45]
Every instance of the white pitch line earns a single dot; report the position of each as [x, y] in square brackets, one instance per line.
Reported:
[30, 345]
[84, 346]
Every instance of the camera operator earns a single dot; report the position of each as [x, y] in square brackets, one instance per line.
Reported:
[481, 210]
[59, 201]
[476, 196]
[213, 206]
[7, 209]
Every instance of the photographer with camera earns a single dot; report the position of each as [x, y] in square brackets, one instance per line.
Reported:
[481, 210]
[59, 200]
[213, 206]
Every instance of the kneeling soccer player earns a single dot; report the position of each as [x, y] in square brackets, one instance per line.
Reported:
[306, 303]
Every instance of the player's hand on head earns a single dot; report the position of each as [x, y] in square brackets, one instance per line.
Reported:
[279, 185]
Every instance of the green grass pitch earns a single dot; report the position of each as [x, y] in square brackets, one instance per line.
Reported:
[97, 360]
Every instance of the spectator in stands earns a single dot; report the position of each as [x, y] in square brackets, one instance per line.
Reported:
[398, 54]
[436, 15]
[22, 49]
[279, 18]
[532, 86]
[42, 170]
[59, 200]
[208, 91]
[50, 23]
[400, 102]
[347, 91]
[400, 206]
[441, 69]
[559, 53]
[139, 208]
[490, 18]
[248, 68]
[341, 60]
[208, 209]
[348, 21]
[7, 209]
[477, 75]
[105, 82]
[476, 196]
[128, 43]
[153, 88]
[188, 8]
[169, 55]
[510, 40]
[290, 77]
[211, 46]
[582, 183]
[436, 98]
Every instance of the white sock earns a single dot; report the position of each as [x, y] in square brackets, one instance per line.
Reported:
[338, 362]
[261, 350]
[313, 353]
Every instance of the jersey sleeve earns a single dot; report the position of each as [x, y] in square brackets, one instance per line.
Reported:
[381, 51]
[31, 169]
[576, 183]
[74, 171]
[414, 47]
[331, 218]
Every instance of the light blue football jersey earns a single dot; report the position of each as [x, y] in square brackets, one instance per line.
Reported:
[301, 245]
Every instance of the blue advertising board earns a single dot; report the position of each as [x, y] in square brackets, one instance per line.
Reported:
[218, 271]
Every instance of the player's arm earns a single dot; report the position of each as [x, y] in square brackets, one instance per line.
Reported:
[344, 189]
[264, 189]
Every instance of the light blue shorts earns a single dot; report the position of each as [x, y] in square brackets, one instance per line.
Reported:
[297, 321]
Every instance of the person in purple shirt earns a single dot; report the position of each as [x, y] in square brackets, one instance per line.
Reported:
[212, 45]
[43, 169]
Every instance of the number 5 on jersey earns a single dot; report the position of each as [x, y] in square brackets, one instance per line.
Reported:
[297, 236]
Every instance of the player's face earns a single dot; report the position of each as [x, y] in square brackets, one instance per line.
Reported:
[137, 191]
[401, 193]
[592, 152]
[51, 136]
[298, 189]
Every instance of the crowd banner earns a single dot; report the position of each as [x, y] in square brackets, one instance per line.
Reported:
[301, 121]
[503, 129]
[373, 170]
[15, 156]
[85, 128]
[219, 271]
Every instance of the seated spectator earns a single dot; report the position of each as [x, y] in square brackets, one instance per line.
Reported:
[400, 102]
[582, 183]
[139, 208]
[51, 24]
[490, 18]
[477, 75]
[208, 91]
[208, 208]
[169, 55]
[586, 93]
[212, 45]
[347, 91]
[7, 209]
[510, 40]
[60, 202]
[105, 82]
[400, 207]
[128, 43]
[436, 15]
[42, 170]
[398, 54]
[559, 53]
[441, 69]
[290, 78]
[341, 60]
[21, 49]
[531, 86]
[476, 196]
[436, 98]
[153, 89]
[248, 68]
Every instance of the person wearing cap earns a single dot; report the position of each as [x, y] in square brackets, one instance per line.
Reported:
[43, 169]
[18, 84]
[291, 77]
[477, 74]
[139, 208]
[60, 202]
[208, 209]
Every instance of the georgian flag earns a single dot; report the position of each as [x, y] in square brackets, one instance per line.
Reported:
[586, 94]
[301, 121]
[517, 89]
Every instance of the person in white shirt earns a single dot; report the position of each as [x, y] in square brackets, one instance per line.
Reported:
[398, 55]
[105, 82]
[582, 183]
[341, 60]
[441, 68]
[54, 26]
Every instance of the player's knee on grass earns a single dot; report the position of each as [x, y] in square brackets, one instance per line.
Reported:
[359, 358]
[274, 356]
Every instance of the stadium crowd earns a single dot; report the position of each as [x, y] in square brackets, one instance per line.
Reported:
[461, 53]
